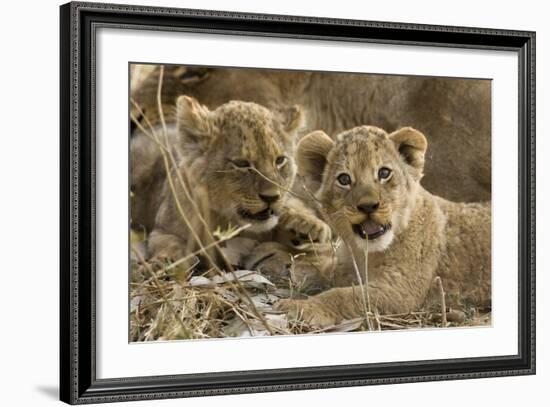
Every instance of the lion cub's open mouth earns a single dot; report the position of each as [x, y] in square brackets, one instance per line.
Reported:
[264, 215]
[369, 229]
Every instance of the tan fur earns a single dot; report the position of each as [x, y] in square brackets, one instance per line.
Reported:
[428, 236]
[147, 177]
[209, 145]
[454, 114]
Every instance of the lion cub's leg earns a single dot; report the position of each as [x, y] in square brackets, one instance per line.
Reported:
[392, 293]
[299, 224]
[338, 304]
[176, 237]
[164, 246]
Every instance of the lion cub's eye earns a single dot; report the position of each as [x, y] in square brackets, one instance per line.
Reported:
[344, 179]
[280, 161]
[240, 163]
[384, 173]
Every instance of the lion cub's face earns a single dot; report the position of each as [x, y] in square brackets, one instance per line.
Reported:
[242, 154]
[366, 180]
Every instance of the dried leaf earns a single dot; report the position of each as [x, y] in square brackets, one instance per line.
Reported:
[249, 278]
[201, 281]
[344, 326]
[239, 328]
[264, 300]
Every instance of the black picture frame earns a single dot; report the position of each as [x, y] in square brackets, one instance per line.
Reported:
[78, 382]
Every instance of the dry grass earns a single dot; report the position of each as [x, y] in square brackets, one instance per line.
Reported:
[170, 301]
[165, 308]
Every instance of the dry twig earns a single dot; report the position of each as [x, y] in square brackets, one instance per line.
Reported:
[443, 304]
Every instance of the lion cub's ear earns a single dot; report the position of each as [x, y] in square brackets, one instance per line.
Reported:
[311, 157]
[412, 146]
[193, 122]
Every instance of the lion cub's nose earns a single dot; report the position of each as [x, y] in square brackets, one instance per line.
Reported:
[368, 207]
[269, 198]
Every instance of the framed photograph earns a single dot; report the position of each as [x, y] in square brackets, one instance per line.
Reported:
[255, 203]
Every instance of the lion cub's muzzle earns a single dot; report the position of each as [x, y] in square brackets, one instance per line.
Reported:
[371, 226]
[271, 205]
[257, 216]
[370, 229]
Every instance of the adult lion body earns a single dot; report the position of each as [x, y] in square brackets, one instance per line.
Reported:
[454, 114]
[369, 190]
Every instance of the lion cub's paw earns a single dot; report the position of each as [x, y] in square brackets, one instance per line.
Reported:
[305, 227]
[308, 311]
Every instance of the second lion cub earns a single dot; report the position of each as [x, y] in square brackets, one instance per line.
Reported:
[368, 185]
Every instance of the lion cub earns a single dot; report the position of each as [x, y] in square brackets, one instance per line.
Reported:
[235, 166]
[368, 185]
